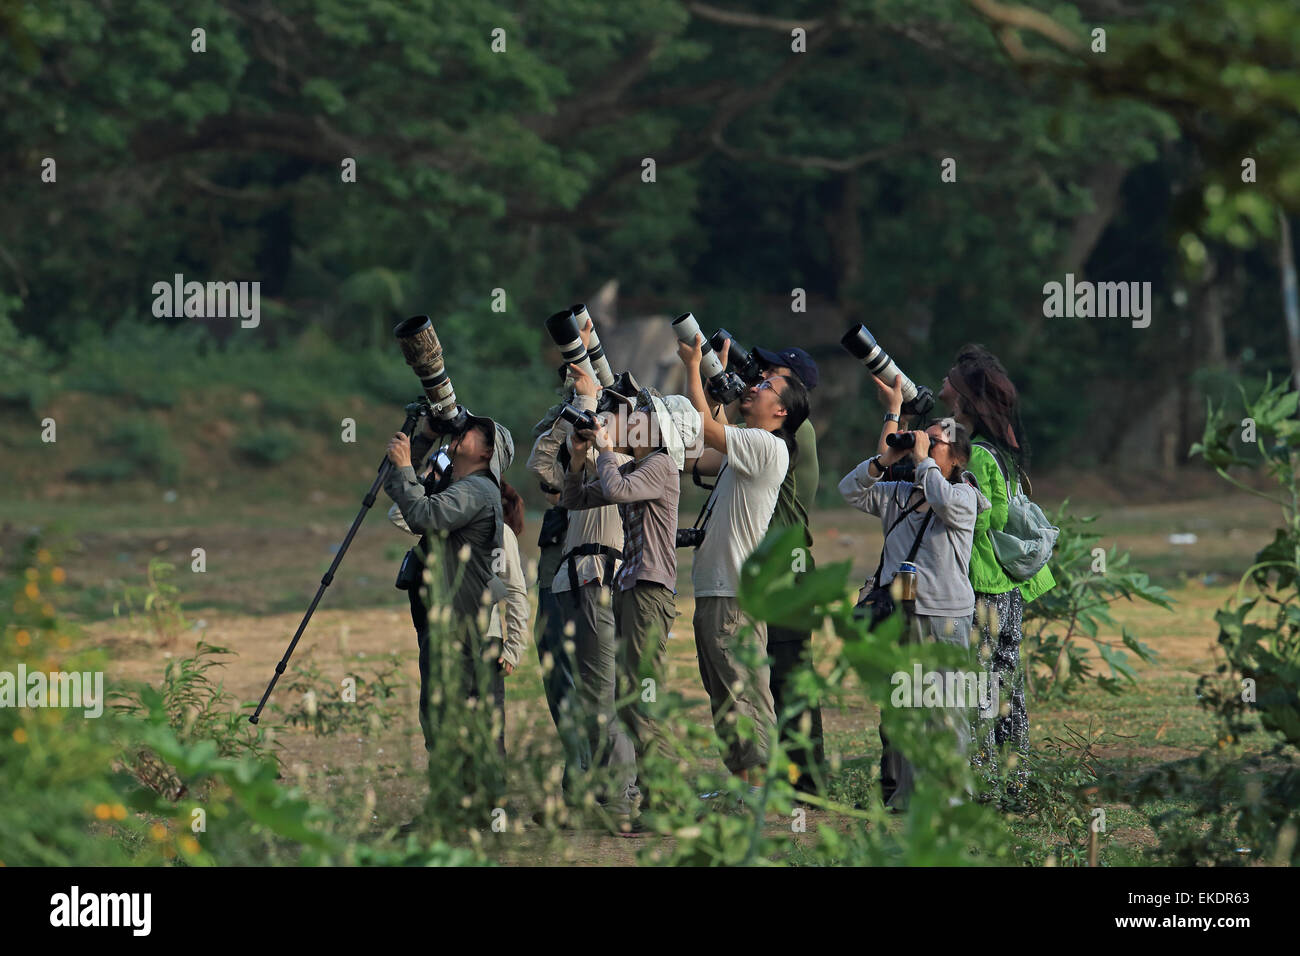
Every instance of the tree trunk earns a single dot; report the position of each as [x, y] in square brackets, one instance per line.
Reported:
[1289, 304]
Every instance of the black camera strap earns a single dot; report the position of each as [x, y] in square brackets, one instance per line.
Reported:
[582, 550]
[706, 510]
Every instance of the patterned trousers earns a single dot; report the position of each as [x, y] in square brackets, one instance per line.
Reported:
[998, 622]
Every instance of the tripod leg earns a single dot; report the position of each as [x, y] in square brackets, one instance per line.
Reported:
[385, 468]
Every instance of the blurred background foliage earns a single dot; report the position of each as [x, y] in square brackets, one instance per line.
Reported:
[521, 170]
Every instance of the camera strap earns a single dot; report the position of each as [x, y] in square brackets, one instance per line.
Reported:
[916, 544]
[582, 550]
[695, 477]
[706, 511]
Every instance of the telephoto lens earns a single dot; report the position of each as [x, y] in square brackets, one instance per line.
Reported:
[901, 440]
[743, 362]
[580, 420]
[604, 374]
[723, 388]
[563, 329]
[862, 345]
[423, 352]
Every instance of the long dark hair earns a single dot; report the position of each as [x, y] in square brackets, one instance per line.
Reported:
[512, 509]
[990, 401]
[794, 399]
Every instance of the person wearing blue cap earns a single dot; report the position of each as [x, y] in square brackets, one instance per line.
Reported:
[791, 649]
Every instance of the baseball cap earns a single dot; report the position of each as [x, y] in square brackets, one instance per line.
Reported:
[796, 360]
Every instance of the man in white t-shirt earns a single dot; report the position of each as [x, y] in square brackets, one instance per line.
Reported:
[751, 464]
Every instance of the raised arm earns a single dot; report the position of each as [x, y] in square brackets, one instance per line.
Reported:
[640, 484]
[891, 397]
[453, 508]
[543, 460]
[863, 489]
[957, 505]
[712, 432]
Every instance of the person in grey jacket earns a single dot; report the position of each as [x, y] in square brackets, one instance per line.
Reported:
[465, 519]
[944, 603]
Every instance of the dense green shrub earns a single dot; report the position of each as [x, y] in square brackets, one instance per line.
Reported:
[136, 447]
[1057, 625]
[268, 446]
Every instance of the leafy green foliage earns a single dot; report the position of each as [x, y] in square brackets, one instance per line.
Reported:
[524, 175]
[1260, 635]
[135, 448]
[169, 774]
[1058, 623]
[157, 603]
[269, 446]
[1237, 809]
[328, 707]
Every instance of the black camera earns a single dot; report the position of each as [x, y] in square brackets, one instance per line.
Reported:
[722, 386]
[581, 421]
[862, 345]
[901, 440]
[744, 363]
[899, 471]
[690, 537]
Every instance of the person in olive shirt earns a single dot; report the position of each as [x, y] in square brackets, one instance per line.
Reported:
[790, 649]
[985, 401]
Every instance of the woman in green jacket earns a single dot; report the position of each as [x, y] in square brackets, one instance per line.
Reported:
[983, 398]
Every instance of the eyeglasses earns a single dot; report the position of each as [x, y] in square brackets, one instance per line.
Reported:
[766, 383]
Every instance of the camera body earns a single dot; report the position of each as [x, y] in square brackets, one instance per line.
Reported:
[441, 462]
[580, 420]
[899, 471]
[690, 537]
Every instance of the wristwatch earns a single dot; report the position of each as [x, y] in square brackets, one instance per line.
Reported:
[891, 417]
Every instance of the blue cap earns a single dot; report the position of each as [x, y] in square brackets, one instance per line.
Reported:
[796, 360]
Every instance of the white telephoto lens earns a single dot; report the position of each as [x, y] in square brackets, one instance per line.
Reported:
[687, 330]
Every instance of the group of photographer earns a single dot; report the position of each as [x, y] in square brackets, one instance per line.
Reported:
[607, 573]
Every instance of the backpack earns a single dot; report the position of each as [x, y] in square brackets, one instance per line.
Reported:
[1026, 543]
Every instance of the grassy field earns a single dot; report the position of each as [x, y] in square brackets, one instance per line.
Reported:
[264, 561]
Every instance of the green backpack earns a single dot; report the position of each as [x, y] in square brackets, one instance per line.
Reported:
[1026, 542]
